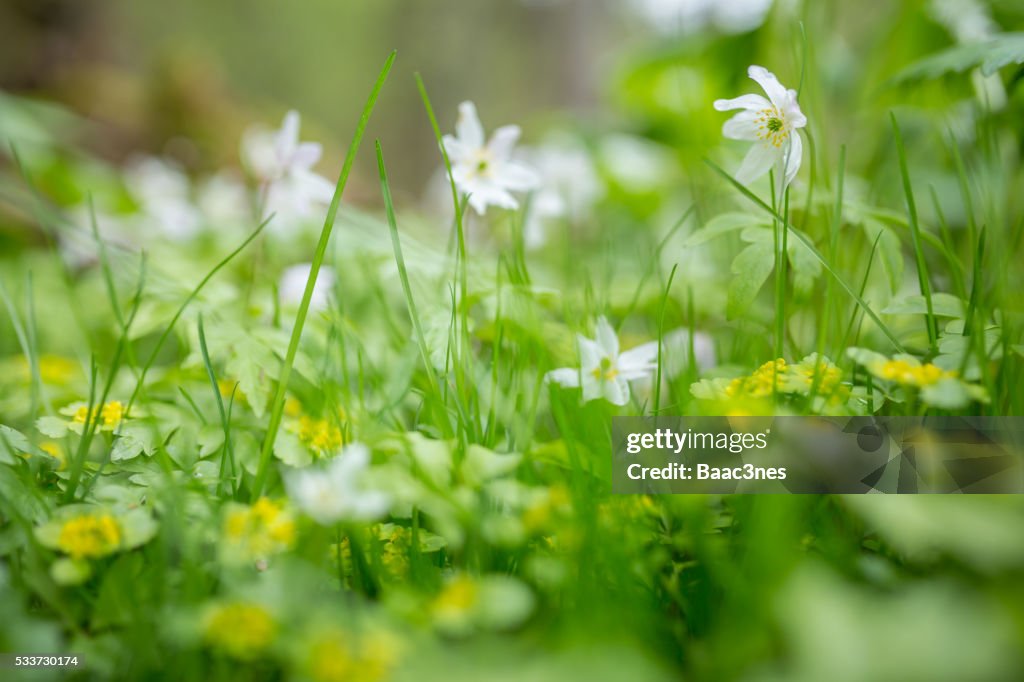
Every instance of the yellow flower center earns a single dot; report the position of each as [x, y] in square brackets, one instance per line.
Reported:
[240, 630]
[110, 414]
[771, 126]
[606, 371]
[319, 435]
[89, 536]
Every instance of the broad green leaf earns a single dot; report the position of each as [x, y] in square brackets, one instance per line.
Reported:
[991, 55]
[724, 224]
[54, 427]
[943, 305]
[751, 269]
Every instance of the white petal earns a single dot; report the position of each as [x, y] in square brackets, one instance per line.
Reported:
[490, 194]
[704, 350]
[792, 156]
[307, 154]
[752, 102]
[606, 338]
[478, 203]
[794, 116]
[617, 391]
[640, 361]
[315, 187]
[590, 354]
[455, 149]
[566, 376]
[742, 126]
[772, 87]
[503, 141]
[759, 160]
[354, 457]
[517, 176]
[468, 127]
[593, 388]
[288, 136]
[370, 505]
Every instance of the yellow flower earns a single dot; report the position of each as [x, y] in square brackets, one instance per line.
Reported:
[258, 531]
[241, 630]
[912, 373]
[335, 656]
[54, 369]
[395, 552]
[89, 536]
[319, 435]
[54, 450]
[110, 414]
[457, 599]
[760, 383]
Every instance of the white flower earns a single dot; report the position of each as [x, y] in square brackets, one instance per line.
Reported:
[604, 372]
[293, 284]
[336, 493]
[163, 192]
[771, 124]
[223, 200]
[284, 166]
[690, 16]
[485, 170]
[569, 186]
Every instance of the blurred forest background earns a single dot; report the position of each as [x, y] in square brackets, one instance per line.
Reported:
[184, 79]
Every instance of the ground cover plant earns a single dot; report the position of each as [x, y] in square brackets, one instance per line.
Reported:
[254, 428]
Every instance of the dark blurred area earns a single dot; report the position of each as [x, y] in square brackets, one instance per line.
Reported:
[184, 80]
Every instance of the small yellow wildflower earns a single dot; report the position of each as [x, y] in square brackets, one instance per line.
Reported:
[761, 383]
[258, 531]
[320, 435]
[911, 374]
[542, 512]
[110, 414]
[457, 599]
[54, 450]
[395, 552]
[336, 656]
[89, 536]
[55, 369]
[239, 629]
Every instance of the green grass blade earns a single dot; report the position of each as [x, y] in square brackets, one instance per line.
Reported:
[915, 235]
[277, 407]
[403, 275]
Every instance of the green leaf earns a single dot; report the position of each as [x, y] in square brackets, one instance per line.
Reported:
[889, 250]
[482, 464]
[806, 268]
[948, 394]
[133, 441]
[54, 427]
[69, 572]
[138, 527]
[990, 55]
[724, 224]
[751, 269]
[290, 450]
[11, 443]
[943, 305]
